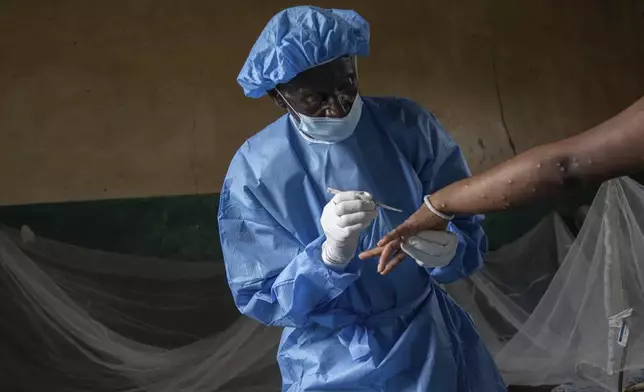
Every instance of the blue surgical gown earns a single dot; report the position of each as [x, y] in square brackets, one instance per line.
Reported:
[353, 330]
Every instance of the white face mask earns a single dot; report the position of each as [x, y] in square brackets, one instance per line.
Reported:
[327, 129]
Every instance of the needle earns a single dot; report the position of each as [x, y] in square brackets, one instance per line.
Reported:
[379, 204]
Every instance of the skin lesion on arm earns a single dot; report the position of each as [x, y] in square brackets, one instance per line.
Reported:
[613, 148]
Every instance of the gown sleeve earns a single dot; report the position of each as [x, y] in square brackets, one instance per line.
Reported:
[274, 278]
[438, 162]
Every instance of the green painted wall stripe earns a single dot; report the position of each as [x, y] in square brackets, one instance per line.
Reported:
[185, 227]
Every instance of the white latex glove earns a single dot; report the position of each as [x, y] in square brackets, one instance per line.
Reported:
[431, 248]
[343, 218]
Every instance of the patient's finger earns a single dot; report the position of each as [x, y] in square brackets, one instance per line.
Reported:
[371, 253]
[394, 263]
[389, 250]
[406, 229]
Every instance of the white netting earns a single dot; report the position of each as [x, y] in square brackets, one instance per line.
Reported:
[501, 297]
[77, 320]
[553, 309]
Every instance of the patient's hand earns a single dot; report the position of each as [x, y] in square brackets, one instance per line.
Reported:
[389, 246]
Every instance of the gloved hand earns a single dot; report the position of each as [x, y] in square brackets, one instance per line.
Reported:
[431, 248]
[343, 218]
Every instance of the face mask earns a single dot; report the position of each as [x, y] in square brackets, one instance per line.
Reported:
[326, 129]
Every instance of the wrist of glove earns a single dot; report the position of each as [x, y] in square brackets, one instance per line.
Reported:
[337, 253]
[343, 218]
[431, 248]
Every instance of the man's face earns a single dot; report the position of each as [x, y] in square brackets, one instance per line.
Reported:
[324, 91]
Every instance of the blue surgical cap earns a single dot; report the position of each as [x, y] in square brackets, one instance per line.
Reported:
[300, 38]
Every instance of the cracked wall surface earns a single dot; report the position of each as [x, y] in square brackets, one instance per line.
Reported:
[135, 98]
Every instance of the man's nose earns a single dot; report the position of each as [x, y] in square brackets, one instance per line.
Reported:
[333, 108]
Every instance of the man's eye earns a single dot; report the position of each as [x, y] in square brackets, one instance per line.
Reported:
[311, 99]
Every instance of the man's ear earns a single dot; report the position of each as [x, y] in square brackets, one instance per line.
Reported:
[279, 101]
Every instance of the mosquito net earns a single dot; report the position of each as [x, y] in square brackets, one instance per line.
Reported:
[78, 320]
[553, 309]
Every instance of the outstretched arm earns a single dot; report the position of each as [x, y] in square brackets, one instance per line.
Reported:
[611, 149]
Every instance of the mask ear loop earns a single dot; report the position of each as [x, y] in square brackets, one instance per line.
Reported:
[288, 104]
[304, 134]
[355, 66]
[355, 69]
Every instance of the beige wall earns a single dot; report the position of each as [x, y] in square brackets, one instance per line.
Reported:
[105, 99]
